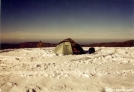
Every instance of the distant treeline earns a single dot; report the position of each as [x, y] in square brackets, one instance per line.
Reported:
[26, 45]
[40, 44]
[129, 43]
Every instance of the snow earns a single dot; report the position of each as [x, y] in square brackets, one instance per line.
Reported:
[109, 69]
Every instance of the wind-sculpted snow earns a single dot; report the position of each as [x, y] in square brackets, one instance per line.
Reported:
[109, 69]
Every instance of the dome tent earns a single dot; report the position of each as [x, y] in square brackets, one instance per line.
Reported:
[68, 46]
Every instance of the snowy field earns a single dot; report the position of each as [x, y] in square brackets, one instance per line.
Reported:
[109, 69]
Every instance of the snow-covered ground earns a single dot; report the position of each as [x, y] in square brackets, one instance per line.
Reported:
[109, 69]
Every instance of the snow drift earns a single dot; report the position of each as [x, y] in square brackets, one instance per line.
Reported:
[109, 69]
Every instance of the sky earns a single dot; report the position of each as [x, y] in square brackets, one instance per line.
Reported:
[84, 21]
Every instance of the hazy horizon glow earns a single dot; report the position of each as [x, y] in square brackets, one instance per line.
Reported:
[54, 20]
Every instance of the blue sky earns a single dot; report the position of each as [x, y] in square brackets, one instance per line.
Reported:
[54, 20]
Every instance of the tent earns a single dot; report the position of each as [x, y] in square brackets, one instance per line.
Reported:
[68, 46]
